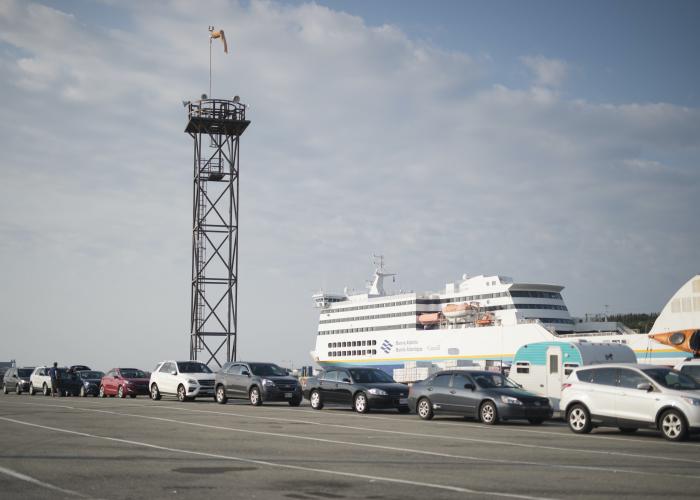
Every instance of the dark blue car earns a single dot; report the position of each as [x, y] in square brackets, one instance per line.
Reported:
[487, 396]
[90, 382]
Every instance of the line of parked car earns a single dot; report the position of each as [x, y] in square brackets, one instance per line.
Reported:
[624, 395]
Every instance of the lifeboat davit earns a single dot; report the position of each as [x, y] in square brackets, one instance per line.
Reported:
[427, 319]
[454, 311]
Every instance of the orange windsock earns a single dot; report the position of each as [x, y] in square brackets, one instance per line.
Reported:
[220, 34]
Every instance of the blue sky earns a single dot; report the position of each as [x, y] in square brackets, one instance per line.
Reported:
[549, 141]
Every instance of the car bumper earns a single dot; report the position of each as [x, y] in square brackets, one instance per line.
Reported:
[390, 401]
[194, 391]
[92, 389]
[516, 412]
[137, 390]
[23, 385]
[277, 394]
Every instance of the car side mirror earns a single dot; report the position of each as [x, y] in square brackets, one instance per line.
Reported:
[347, 380]
[246, 373]
[174, 372]
[645, 386]
[469, 386]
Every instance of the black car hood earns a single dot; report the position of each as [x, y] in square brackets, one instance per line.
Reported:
[521, 394]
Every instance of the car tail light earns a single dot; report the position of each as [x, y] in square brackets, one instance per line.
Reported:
[565, 386]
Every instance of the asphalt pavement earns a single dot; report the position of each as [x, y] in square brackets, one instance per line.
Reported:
[137, 448]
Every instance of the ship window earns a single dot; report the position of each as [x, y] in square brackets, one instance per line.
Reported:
[344, 345]
[330, 344]
[364, 352]
[522, 367]
[374, 351]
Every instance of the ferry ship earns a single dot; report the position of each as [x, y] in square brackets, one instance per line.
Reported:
[481, 320]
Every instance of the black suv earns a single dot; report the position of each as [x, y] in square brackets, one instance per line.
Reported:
[256, 382]
[17, 380]
[361, 388]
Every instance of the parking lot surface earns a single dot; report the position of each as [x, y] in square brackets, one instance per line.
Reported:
[136, 448]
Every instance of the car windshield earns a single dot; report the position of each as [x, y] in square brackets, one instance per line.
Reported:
[132, 373]
[672, 379]
[494, 381]
[192, 367]
[361, 376]
[267, 370]
[24, 372]
[91, 374]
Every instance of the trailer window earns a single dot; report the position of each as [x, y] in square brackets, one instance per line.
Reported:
[522, 367]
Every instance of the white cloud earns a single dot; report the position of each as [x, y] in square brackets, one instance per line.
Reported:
[363, 140]
[548, 72]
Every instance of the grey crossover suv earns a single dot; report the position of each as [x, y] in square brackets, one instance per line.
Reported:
[256, 382]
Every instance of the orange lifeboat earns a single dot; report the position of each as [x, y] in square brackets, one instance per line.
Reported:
[683, 340]
[485, 320]
[454, 311]
[428, 319]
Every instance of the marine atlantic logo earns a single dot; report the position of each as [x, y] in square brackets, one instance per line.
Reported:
[386, 346]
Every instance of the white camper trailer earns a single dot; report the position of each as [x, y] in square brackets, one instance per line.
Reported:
[542, 367]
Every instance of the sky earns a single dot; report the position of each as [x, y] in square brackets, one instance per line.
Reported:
[553, 142]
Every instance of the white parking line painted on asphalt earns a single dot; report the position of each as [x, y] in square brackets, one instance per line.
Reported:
[266, 463]
[29, 479]
[616, 471]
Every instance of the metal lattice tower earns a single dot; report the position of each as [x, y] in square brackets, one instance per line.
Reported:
[215, 125]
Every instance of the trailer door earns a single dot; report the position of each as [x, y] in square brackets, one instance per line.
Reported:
[553, 375]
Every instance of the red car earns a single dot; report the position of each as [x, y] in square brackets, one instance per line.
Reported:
[123, 382]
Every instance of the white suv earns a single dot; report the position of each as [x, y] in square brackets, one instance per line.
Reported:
[185, 379]
[40, 381]
[630, 396]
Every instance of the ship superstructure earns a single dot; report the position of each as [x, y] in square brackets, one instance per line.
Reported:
[483, 319]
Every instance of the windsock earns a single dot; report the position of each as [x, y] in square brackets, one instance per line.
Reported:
[220, 34]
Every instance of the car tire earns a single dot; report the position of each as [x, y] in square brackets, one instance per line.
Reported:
[315, 400]
[82, 392]
[295, 401]
[155, 393]
[120, 392]
[18, 389]
[4, 389]
[628, 430]
[424, 409]
[488, 413]
[254, 396]
[221, 397]
[181, 393]
[360, 403]
[673, 426]
[535, 421]
[45, 390]
[31, 389]
[579, 419]
[102, 391]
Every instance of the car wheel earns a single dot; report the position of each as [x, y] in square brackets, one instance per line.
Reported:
[4, 389]
[254, 396]
[181, 393]
[221, 397]
[316, 401]
[579, 419]
[673, 426]
[102, 391]
[45, 389]
[31, 389]
[155, 393]
[18, 389]
[120, 392]
[360, 403]
[425, 409]
[628, 430]
[82, 392]
[535, 421]
[295, 401]
[488, 413]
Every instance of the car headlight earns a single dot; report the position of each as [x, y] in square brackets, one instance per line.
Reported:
[192, 381]
[268, 382]
[510, 400]
[377, 392]
[691, 401]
